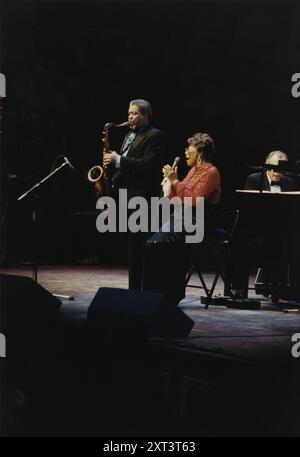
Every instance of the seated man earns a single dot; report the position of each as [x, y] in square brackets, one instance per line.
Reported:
[167, 254]
[255, 243]
[273, 180]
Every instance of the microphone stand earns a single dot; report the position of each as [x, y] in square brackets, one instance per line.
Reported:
[37, 185]
[35, 221]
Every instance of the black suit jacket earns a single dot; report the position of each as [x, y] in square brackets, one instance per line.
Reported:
[253, 183]
[141, 169]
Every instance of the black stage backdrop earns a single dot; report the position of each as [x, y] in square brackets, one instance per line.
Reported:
[224, 67]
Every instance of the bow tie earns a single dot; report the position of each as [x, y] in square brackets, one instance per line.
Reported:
[275, 183]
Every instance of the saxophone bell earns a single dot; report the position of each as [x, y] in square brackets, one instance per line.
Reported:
[95, 173]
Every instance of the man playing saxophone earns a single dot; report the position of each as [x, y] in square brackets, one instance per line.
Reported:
[138, 170]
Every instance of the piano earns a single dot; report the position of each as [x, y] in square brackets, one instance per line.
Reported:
[275, 217]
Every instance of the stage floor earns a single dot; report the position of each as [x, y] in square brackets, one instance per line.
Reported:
[242, 333]
[233, 375]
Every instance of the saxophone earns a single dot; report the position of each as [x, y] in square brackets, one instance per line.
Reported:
[99, 174]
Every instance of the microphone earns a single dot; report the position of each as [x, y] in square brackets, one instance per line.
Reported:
[68, 163]
[176, 162]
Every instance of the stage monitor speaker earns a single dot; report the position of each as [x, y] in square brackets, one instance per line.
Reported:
[133, 313]
[25, 305]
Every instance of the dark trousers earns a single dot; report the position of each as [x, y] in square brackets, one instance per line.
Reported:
[136, 250]
[136, 246]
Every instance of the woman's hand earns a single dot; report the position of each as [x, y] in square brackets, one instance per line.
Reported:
[170, 174]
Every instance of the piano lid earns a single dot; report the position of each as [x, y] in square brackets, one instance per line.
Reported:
[243, 191]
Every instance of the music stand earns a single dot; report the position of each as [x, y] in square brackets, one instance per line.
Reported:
[35, 219]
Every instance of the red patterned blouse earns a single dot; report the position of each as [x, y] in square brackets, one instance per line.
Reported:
[201, 181]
